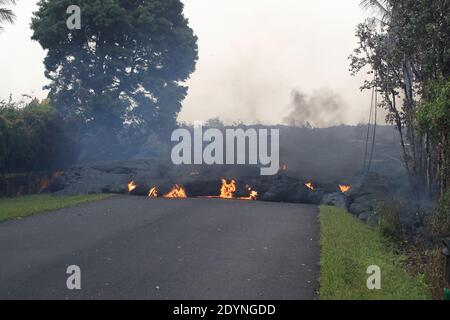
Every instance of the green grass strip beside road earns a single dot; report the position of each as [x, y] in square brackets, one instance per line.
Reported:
[348, 248]
[20, 207]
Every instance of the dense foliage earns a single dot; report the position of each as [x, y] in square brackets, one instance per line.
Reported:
[406, 51]
[121, 75]
[32, 138]
[433, 118]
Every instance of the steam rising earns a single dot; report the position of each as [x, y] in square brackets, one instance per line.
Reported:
[323, 108]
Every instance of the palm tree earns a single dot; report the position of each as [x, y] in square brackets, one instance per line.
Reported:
[379, 9]
[6, 15]
[385, 13]
[377, 6]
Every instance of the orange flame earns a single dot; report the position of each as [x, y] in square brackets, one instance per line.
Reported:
[228, 189]
[309, 185]
[344, 188]
[253, 195]
[153, 193]
[46, 182]
[176, 192]
[131, 186]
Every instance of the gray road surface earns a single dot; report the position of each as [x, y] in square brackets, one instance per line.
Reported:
[138, 248]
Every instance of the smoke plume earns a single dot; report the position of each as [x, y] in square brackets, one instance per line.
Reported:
[323, 108]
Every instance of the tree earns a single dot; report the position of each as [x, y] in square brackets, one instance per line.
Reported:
[379, 9]
[433, 118]
[6, 15]
[404, 53]
[32, 137]
[121, 74]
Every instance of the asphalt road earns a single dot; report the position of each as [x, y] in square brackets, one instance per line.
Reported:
[140, 248]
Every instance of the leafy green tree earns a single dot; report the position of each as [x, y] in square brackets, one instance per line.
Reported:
[433, 118]
[403, 53]
[6, 14]
[121, 75]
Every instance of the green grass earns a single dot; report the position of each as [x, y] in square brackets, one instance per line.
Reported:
[13, 208]
[348, 248]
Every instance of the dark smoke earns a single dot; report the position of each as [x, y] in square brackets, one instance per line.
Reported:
[323, 108]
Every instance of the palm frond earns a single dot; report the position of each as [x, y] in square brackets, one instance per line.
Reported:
[380, 8]
[7, 2]
[6, 15]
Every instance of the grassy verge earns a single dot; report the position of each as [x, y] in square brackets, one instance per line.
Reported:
[348, 248]
[12, 208]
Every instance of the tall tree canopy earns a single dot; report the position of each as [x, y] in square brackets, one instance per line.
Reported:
[124, 69]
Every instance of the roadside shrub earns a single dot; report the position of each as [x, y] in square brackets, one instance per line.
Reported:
[389, 219]
[32, 137]
[439, 220]
[434, 272]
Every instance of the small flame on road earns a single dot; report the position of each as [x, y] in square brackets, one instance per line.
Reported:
[131, 186]
[176, 192]
[344, 188]
[309, 185]
[153, 193]
[228, 189]
[253, 195]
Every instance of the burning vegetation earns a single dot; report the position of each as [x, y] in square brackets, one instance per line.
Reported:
[46, 182]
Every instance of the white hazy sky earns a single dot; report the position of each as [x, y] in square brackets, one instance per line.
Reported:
[253, 53]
